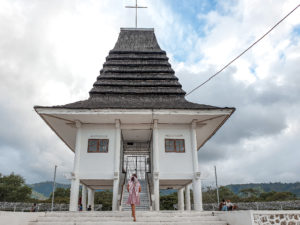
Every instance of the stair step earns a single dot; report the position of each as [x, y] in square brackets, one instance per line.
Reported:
[144, 198]
[131, 222]
[169, 213]
[123, 217]
[128, 218]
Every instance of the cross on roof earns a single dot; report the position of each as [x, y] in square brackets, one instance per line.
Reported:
[136, 7]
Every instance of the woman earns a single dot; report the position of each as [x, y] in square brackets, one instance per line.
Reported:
[133, 188]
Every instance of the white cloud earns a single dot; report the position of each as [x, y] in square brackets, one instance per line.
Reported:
[51, 53]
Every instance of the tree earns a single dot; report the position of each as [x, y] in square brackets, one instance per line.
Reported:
[249, 192]
[61, 195]
[167, 201]
[227, 194]
[277, 196]
[14, 189]
[209, 195]
[104, 198]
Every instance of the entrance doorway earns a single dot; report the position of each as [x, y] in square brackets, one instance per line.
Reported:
[136, 159]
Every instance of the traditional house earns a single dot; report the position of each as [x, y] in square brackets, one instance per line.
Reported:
[136, 120]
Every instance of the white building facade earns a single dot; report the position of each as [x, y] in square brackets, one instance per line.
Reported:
[135, 121]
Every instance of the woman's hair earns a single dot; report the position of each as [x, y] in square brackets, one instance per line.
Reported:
[133, 176]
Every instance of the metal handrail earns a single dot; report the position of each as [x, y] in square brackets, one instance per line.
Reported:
[149, 189]
[124, 182]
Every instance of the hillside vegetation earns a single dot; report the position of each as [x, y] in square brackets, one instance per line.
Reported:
[46, 188]
[267, 187]
[14, 189]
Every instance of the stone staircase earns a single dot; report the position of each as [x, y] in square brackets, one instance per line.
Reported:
[121, 217]
[144, 197]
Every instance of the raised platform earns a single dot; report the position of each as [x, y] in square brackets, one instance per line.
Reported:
[116, 218]
[243, 217]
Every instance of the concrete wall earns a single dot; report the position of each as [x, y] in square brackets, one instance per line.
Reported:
[251, 217]
[97, 165]
[275, 217]
[236, 217]
[101, 165]
[175, 165]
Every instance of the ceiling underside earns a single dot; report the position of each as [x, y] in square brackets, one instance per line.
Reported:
[98, 184]
[137, 135]
[108, 184]
[173, 184]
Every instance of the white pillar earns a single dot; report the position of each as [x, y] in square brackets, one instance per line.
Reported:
[155, 166]
[180, 199]
[188, 197]
[116, 166]
[89, 197]
[93, 199]
[74, 193]
[83, 197]
[115, 193]
[196, 180]
[91, 194]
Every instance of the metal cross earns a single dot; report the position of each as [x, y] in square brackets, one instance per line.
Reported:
[136, 7]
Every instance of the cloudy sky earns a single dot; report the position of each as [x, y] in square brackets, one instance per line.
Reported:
[52, 50]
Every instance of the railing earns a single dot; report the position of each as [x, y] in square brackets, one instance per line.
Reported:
[124, 182]
[136, 164]
[149, 189]
[41, 207]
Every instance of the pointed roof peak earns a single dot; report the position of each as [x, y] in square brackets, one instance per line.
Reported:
[137, 39]
[136, 75]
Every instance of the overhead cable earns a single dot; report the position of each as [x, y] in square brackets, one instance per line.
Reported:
[258, 40]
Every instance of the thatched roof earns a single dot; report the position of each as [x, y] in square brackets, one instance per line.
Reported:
[136, 75]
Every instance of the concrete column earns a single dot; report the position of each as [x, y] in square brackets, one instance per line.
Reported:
[156, 191]
[188, 197]
[155, 166]
[93, 199]
[180, 199]
[90, 198]
[83, 197]
[74, 193]
[116, 165]
[196, 180]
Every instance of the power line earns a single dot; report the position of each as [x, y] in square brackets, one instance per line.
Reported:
[243, 51]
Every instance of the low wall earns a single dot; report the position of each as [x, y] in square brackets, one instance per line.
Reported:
[42, 207]
[236, 217]
[276, 217]
[260, 217]
[286, 205]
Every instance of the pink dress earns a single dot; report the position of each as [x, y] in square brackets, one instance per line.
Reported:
[134, 196]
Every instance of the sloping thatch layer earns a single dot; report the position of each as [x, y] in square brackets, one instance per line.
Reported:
[136, 75]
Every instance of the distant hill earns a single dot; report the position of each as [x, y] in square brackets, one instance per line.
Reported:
[37, 195]
[267, 187]
[45, 188]
[262, 187]
[167, 192]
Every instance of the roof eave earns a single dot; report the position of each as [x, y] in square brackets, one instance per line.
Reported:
[218, 127]
[52, 128]
[61, 109]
